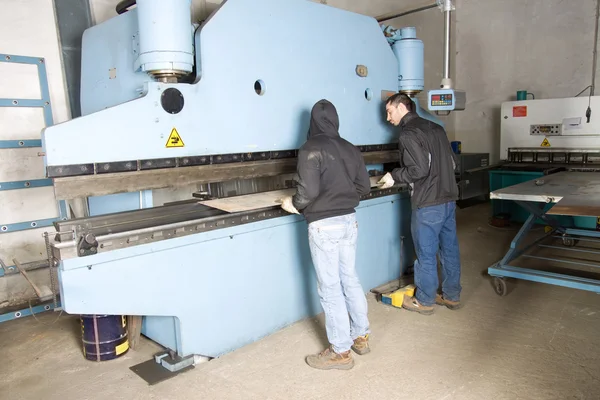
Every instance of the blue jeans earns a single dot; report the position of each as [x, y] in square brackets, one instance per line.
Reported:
[434, 228]
[333, 249]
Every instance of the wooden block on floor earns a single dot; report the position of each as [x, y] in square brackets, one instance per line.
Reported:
[134, 330]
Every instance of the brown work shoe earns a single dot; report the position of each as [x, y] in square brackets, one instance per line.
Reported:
[329, 359]
[452, 305]
[412, 304]
[361, 345]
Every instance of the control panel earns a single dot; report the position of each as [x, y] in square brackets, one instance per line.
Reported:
[446, 100]
[546, 130]
[441, 100]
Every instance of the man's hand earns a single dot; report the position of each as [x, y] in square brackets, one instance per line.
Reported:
[288, 206]
[386, 182]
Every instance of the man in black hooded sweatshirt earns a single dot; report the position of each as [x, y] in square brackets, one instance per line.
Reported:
[331, 178]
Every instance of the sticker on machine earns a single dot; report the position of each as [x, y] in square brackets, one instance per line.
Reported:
[545, 143]
[519, 111]
[174, 139]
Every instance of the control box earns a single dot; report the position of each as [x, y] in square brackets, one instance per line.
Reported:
[446, 100]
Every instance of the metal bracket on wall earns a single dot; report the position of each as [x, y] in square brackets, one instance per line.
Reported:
[30, 266]
[44, 103]
[19, 144]
[26, 312]
[25, 184]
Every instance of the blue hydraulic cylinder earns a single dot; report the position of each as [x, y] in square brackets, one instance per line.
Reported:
[410, 54]
[165, 37]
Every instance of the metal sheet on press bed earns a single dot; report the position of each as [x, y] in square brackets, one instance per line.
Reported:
[249, 202]
[256, 201]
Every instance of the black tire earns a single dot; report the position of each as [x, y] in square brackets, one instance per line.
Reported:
[500, 286]
[569, 241]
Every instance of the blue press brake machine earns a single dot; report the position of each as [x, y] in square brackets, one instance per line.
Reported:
[222, 105]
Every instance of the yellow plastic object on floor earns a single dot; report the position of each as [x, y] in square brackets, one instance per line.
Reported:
[396, 298]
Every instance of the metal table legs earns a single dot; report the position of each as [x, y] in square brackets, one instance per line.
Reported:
[520, 248]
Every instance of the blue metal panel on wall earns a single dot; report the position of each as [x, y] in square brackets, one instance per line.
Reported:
[266, 284]
[21, 103]
[33, 183]
[17, 144]
[44, 103]
[22, 226]
[26, 312]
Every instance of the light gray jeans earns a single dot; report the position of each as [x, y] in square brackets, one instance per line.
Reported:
[333, 249]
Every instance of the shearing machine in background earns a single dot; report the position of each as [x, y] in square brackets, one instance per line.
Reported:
[549, 176]
[179, 115]
[542, 137]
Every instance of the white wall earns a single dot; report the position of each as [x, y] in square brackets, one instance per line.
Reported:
[27, 28]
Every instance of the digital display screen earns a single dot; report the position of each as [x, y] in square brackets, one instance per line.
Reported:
[441, 99]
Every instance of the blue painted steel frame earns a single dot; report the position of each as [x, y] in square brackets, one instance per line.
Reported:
[26, 312]
[503, 269]
[33, 183]
[9, 268]
[18, 144]
[44, 103]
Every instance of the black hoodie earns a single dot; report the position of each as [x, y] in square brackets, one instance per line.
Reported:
[331, 171]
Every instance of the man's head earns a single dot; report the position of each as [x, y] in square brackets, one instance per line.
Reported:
[324, 119]
[397, 106]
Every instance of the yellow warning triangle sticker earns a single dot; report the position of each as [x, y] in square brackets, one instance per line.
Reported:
[545, 143]
[174, 139]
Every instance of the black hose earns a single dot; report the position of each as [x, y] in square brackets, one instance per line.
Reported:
[124, 6]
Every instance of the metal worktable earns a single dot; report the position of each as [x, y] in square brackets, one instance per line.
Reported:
[563, 193]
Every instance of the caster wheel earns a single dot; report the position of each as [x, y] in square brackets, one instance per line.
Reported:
[500, 286]
[569, 241]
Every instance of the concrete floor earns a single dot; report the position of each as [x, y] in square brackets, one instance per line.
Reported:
[539, 342]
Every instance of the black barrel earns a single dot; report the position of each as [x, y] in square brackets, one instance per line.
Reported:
[104, 336]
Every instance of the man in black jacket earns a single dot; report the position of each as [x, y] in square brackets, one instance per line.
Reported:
[427, 165]
[331, 178]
